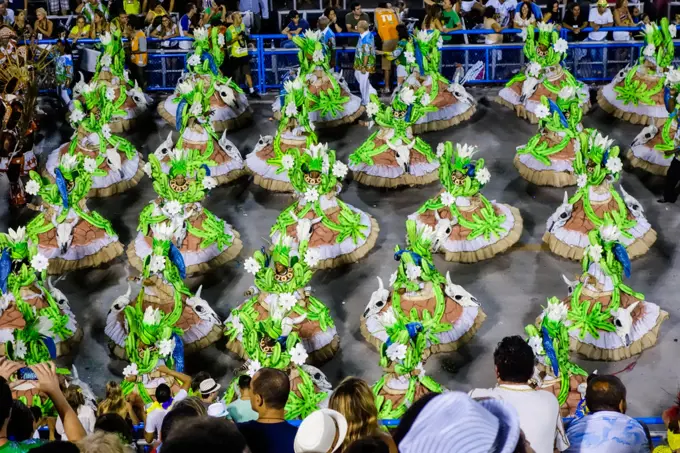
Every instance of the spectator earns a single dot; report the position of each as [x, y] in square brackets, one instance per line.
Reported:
[23, 28]
[80, 30]
[622, 18]
[164, 400]
[505, 9]
[43, 26]
[354, 399]
[606, 428]
[57, 7]
[432, 20]
[102, 442]
[122, 24]
[451, 20]
[157, 8]
[322, 431]
[218, 410]
[185, 27]
[575, 22]
[192, 403]
[352, 20]
[207, 434]
[600, 17]
[115, 403]
[538, 410]
[132, 7]
[212, 11]
[552, 15]
[208, 389]
[387, 20]
[398, 54]
[115, 424]
[296, 26]
[364, 62]
[490, 23]
[535, 9]
[196, 382]
[371, 444]
[165, 31]
[259, 9]
[241, 410]
[99, 25]
[327, 37]
[238, 53]
[332, 16]
[138, 55]
[74, 396]
[455, 423]
[637, 16]
[88, 7]
[6, 14]
[270, 433]
[524, 17]
[20, 426]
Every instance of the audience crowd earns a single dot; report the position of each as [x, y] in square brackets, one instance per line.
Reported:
[513, 417]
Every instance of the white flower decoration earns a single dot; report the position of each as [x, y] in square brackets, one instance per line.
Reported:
[556, 312]
[291, 109]
[147, 169]
[561, 46]
[20, 349]
[614, 165]
[483, 176]
[312, 257]
[287, 161]
[32, 187]
[106, 131]
[387, 318]
[447, 199]
[420, 368]
[252, 266]
[298, 355]
[165, 347]
[649, 50]
[339, 170]
[200, 34]
[372, 108]
[110, 94]
[311, 195]
[393, 278]
[536, 344]
[534, 69]
[220, 40]
[163, 231]
[194, 60]
[17, 235]
[69, 161]
[610, 233]
[407, 96]
[209, 183]
[672, 76]
[152, 316]
[131, 370]
[673, 30]
[567, 92]
[185, 87]
[581, 181]
[440, 150]
[523, 34]
[39, 262]
[77, 116]
[396, 352]
[317, 56]
[105, 38]
[157, 264]
[541, 111]
[650, 29]
[105, 60]
[172, 207]
[603, 142]
[465, 150]
[196, 109]
[237, 324]
[410, 57]
[89, 164]
[253, 367]
[595, 252]
[287, 301]
[413, 271]
[425, 100]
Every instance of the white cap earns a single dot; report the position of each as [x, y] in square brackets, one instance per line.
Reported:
[322, 431]
[218, 410]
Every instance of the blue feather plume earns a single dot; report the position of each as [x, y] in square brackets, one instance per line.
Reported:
[211, 60]
[550, 351]
[667, 97]
[180, 110]
[178, 353]
[414, 328]
[605, 157]
[554, 108]
[407, 118]
[61, 185]
[267, 258]
[177, 259]
[621, 255]
[470, 169]
[206, 168]
[416, 258]
[5, 269]
[51, 347]
[419, 59]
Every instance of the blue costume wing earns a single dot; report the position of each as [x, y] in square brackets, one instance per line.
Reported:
[178, 353]
[621, 255]
[5, 269]
[550, 351]
[61, 186]
[177, 259]
[554, 108]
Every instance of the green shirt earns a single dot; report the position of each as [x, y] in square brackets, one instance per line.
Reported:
[21, 447]
[450, 19]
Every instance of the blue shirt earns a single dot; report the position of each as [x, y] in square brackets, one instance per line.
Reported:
[606, 432]
[256, 6]
[302, 25]
[328, 37]
[269, 437]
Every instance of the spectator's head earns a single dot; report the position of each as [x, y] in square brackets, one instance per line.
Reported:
[74, 396]
[41, 14]
[554, 8]
[102, 442]
[323, 22]
[602, 6]
[455, 423]
[330, 14]
[163, 393]
[322, 430]
[362, 26]
[371, 444]
[191, 9]
[3, 9]
[524, 11]
[20, 16]
[244, 386]
[489, 12]
[99, 18]
[197, 379]
[514, 360]
[115, 424]
[575, 9]
[294, 16]
[166, 22]
[205, 434]
[81, 22]
[402, 32]
[354, 399]
[270, 389]
[57, 446]
[5, 405]
[636, 13]
[433, 12]
[621, 4]
[123, 18]
[606, 393]
[356, 9]
[20, 426]
[38, 420]
[177, 417]
[193, 403]
[236, 18]
[208, 389]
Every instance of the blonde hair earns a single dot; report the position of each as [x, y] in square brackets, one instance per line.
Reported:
[114, 401]
[41, 10]
[194, 403]
[354, 399]
[102, 442]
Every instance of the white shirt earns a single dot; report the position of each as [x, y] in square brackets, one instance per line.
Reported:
[154, 420]
[594, 17]
[87, 418]
[524, 23]
[539, 414]
[505, 10]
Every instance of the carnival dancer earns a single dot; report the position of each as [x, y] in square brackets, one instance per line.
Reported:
[68, 233]
[597, 166]
[330, 101]
[228, 104]
[340, 233]
[637, 94]
[203, 240]
[468, 227]
[548, 157]
[392, 156]
[542, 76]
